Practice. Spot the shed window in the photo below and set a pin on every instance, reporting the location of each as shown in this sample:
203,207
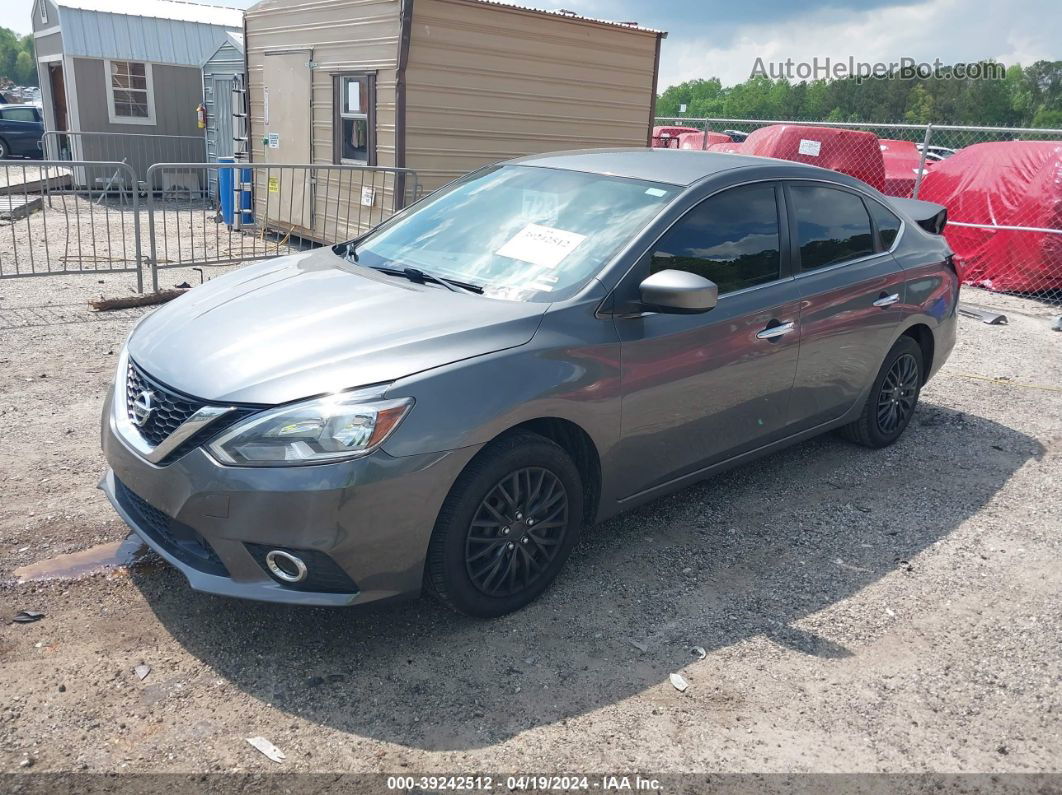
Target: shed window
355,119
130,93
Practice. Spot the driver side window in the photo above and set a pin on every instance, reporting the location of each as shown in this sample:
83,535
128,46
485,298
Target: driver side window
731,238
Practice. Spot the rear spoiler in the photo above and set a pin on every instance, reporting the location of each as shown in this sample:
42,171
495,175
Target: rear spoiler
931,217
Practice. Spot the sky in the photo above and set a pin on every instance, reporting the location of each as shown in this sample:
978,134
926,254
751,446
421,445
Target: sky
723,38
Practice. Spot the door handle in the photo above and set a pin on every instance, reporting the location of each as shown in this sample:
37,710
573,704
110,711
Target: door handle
774,332
887,300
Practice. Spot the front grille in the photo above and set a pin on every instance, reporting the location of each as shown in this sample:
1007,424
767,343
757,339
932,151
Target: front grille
323,574
170,410
177,538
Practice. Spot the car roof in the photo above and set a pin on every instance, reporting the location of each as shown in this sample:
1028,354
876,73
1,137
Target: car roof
672,166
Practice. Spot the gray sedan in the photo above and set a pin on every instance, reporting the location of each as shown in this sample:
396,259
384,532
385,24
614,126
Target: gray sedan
443,403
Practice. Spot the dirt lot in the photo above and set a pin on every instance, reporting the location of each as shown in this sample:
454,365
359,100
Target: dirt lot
860,611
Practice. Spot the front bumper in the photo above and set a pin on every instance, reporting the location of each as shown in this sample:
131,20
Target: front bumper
370,518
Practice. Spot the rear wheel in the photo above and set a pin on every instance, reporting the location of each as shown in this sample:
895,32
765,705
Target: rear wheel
5,151
506,528
892,398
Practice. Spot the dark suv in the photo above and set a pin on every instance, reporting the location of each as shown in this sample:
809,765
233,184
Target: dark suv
21,130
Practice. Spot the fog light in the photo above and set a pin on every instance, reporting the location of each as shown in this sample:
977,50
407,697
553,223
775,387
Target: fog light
285,566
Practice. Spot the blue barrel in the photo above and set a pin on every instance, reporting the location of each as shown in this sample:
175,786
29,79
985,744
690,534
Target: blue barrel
226,192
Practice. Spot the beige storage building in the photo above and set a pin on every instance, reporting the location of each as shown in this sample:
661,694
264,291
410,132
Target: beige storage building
438,86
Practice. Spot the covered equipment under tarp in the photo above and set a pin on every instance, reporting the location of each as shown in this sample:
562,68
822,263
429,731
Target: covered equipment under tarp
666,137
902,160
851,152
696,140
1003,184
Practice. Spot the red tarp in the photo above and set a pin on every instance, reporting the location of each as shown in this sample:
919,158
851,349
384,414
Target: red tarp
1009,183
695,140
851,152
665,137
901,166
731,147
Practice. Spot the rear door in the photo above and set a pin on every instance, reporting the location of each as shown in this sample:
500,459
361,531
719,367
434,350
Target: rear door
851,291
698,389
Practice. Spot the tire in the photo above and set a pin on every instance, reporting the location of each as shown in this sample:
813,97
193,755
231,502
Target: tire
485,562
5,150
892,399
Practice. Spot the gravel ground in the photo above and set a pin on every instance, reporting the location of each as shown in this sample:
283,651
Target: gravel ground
859,611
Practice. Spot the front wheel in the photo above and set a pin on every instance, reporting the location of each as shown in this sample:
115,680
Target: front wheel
506,528
892,398
5,152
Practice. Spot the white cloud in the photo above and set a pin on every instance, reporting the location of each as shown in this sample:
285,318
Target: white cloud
951,30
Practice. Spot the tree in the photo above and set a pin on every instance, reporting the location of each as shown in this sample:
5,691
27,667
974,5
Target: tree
1011,97
17,62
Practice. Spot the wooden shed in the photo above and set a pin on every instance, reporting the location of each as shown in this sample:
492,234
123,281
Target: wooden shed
440,86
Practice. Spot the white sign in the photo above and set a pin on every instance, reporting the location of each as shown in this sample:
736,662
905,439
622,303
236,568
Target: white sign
353,96
541,245
809,148
274,140
265,112
682,108
368,197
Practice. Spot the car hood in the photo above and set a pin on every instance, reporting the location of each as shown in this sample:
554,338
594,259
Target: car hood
310,324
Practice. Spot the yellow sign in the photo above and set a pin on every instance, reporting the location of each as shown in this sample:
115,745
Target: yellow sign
274,185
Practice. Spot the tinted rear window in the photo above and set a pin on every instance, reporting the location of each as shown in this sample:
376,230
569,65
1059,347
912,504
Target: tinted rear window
888,224
832,226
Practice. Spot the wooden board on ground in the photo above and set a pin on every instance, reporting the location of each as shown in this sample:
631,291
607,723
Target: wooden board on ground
16,207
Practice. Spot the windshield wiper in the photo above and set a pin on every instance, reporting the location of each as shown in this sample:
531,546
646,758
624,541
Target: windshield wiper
421,276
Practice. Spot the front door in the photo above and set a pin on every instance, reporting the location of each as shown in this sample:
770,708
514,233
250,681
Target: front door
286,81
852,295
58,89
698,389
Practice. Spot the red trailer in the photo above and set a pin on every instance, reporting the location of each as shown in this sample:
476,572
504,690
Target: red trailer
901,166
665,137
1012,191
695,140
851,152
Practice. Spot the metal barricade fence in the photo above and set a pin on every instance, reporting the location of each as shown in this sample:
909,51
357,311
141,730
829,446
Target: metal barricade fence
264,209
62,217
139,150
1007,234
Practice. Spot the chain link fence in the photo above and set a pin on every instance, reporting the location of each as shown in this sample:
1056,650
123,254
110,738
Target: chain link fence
1002,186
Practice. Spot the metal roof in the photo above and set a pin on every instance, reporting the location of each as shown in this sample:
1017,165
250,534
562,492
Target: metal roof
565,14
159,31
674,166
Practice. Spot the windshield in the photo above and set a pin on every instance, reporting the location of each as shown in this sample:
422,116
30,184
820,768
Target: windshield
521,233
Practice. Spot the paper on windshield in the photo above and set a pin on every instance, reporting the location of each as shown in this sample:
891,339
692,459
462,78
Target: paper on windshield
541,245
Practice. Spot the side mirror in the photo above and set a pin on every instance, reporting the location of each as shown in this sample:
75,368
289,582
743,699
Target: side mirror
678,292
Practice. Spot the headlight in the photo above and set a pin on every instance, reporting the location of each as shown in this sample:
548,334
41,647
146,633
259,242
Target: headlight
333,428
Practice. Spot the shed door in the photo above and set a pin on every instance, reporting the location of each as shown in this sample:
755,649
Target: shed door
223,117
219,123
287,78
